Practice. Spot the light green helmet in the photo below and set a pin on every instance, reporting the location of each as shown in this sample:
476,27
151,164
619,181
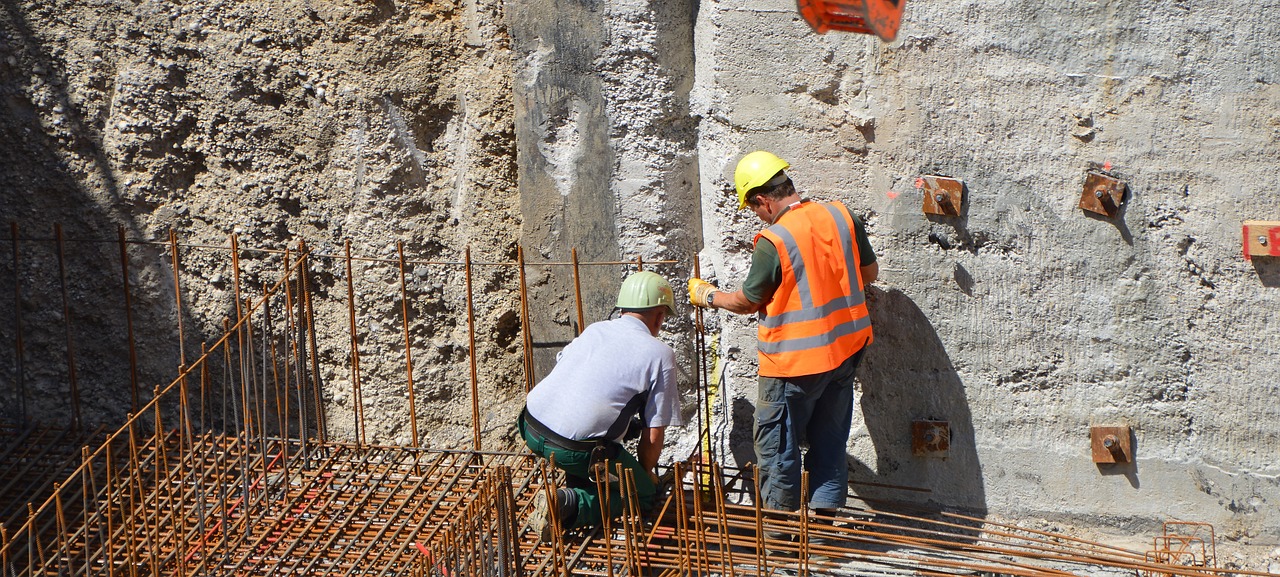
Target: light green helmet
645,290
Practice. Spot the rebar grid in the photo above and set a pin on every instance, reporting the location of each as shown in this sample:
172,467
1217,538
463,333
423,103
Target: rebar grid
192,472
715,528
230,469
33,459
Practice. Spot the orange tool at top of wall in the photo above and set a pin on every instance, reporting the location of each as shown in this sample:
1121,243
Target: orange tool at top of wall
879,17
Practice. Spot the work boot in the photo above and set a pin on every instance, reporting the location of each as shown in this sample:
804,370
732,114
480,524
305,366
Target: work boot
822,532
781,545
780,542
566,504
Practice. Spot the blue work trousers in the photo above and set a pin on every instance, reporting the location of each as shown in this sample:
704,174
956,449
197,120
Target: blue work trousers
792,411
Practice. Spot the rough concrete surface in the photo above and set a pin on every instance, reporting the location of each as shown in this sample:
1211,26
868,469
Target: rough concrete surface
612,127
282,121
1025,320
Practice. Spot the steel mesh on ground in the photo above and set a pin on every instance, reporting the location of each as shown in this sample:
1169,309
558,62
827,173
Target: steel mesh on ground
229,470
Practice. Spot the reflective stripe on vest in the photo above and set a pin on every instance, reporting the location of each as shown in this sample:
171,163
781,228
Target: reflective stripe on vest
796,336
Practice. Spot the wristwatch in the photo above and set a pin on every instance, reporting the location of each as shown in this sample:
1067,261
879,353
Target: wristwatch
711,298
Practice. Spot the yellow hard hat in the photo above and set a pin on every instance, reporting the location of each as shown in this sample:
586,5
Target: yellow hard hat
644,290
754,170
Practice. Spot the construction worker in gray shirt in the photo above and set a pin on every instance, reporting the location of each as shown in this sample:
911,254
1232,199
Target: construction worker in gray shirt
613,373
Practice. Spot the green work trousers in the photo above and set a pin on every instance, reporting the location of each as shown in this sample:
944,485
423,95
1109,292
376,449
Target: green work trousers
576,465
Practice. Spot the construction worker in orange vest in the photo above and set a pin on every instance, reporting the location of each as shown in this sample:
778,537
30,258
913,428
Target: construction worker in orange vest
808,272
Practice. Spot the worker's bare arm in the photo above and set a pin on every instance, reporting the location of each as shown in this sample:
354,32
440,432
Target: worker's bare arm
735,302
869,273
650,447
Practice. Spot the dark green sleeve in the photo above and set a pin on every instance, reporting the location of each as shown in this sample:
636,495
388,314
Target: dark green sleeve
866,255
765,274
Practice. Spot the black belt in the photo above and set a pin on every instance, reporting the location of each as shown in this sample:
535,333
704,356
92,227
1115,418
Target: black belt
556,439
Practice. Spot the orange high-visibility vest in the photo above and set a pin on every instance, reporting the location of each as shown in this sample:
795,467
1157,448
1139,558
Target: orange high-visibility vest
818,316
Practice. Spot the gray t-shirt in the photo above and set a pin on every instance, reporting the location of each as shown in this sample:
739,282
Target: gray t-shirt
601,371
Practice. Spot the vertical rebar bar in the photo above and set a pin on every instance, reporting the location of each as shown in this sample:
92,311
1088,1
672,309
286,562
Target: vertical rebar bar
109,484
223,509
762,560
177,295
246,415
60,522
159,486
205,384
4,550
86,481
631,513
511,543
471,357
66,324
34,547
682,524
606,517
699,523
202,521
261,405
305,297
722,530
804,524
133,480
272,358
557,551
703,394
577,292
524,323
408,345
356,401
128,318
184,451
294,330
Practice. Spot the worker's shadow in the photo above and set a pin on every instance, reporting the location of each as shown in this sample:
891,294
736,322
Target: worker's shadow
907,376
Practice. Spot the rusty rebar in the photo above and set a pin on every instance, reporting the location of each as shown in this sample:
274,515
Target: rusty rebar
66,324
577,292
357,402
304,259
293,328
408,345
369,508
525,335
128,318
177,295
471,354
246,415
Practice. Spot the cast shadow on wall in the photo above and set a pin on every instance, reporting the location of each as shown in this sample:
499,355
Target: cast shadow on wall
1267,269
84,351
41,190
908,376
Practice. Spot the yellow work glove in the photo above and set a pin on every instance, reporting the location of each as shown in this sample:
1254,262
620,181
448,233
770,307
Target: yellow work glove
699,290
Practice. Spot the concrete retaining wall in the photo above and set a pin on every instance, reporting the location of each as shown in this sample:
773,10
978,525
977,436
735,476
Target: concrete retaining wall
1026,319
